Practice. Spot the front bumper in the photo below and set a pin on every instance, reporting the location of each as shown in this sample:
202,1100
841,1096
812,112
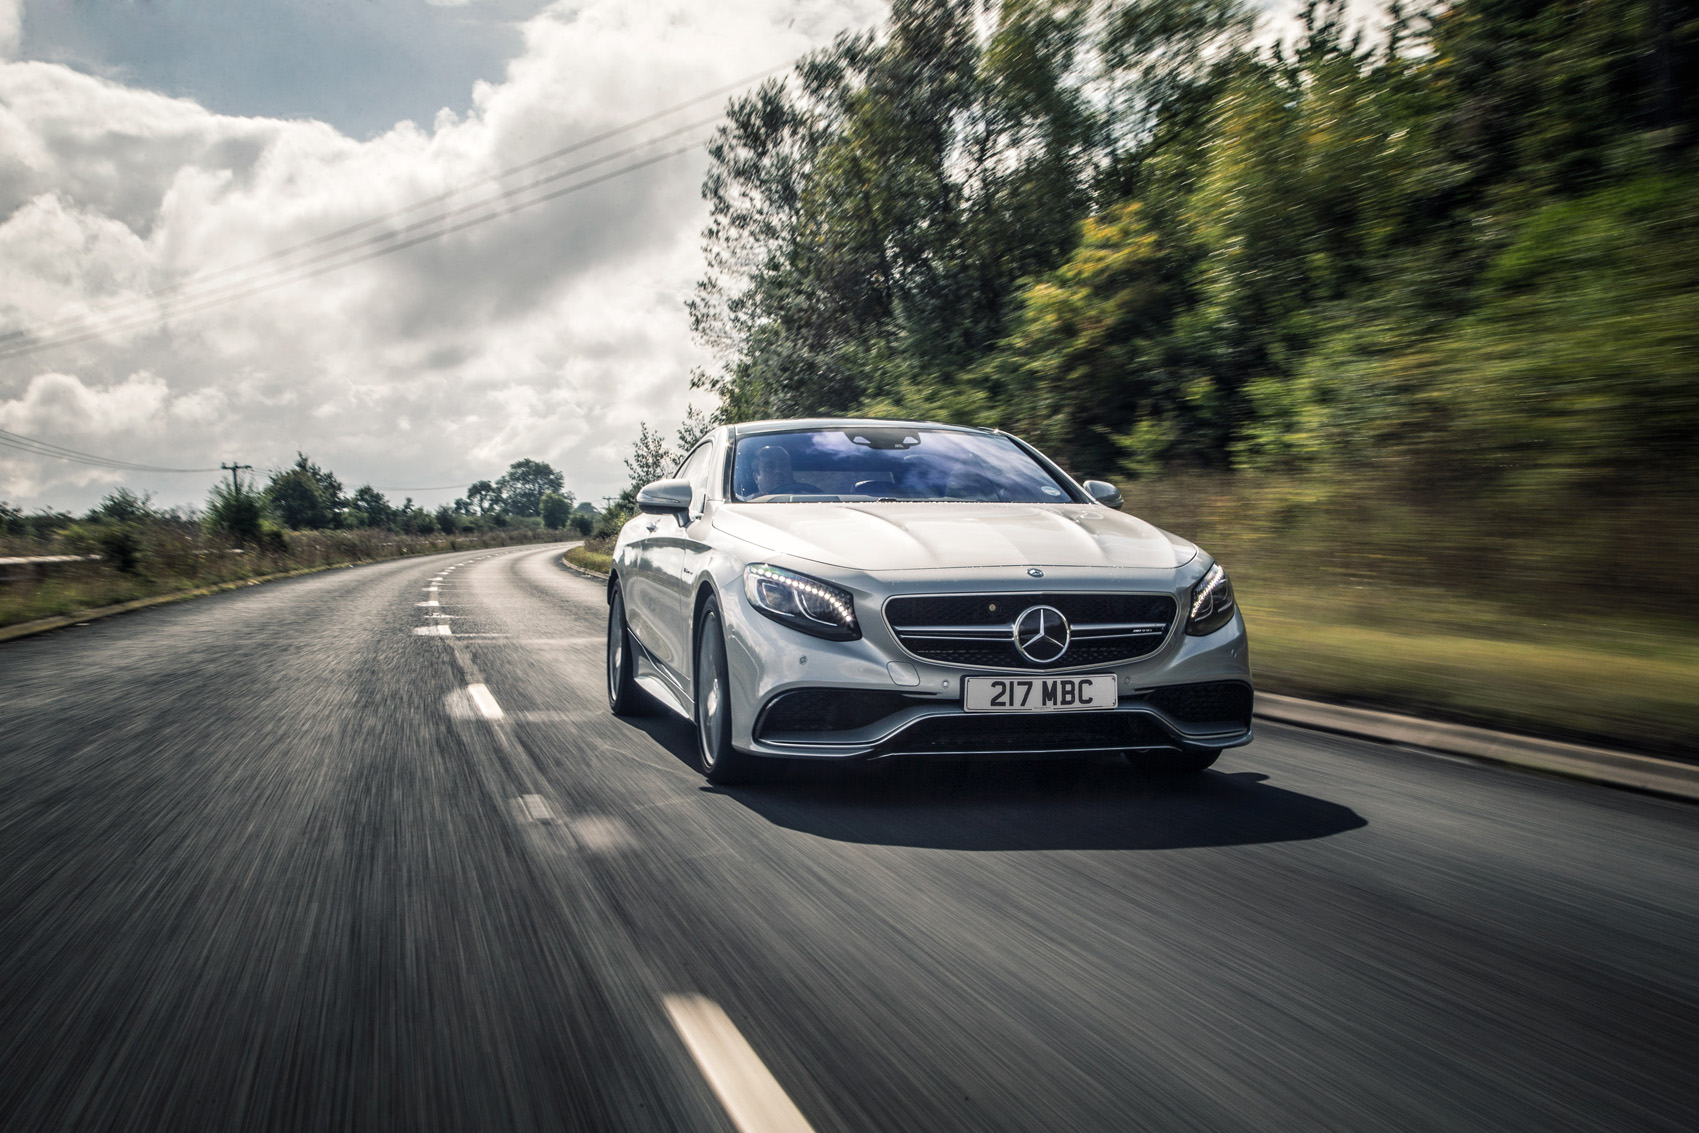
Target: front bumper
809,722
873,699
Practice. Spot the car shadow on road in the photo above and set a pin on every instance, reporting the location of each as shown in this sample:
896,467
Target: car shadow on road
1100,805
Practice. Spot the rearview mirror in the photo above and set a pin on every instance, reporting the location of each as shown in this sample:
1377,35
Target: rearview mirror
1104,493
664,497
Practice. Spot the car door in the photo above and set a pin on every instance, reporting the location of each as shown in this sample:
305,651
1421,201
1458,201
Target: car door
664,576
692,539
644,607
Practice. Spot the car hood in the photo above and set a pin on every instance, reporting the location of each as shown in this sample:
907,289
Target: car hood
881,537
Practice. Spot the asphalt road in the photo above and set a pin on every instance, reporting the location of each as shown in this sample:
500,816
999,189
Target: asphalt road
267,863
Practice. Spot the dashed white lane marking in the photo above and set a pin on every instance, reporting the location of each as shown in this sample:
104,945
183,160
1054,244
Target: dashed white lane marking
554,716
534,809
485,701
753,1099
601,834
439,630
428,602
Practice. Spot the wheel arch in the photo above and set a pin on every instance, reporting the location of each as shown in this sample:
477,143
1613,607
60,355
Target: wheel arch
705,592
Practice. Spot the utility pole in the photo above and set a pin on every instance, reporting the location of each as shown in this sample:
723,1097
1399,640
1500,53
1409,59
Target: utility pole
235,485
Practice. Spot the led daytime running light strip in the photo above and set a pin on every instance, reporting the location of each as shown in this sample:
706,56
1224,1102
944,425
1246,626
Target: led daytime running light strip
1205,598
772,574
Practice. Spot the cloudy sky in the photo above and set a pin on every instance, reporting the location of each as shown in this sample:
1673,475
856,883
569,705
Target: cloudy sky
150,149
170,171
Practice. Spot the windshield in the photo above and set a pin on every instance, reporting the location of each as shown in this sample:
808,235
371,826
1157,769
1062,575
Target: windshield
891,464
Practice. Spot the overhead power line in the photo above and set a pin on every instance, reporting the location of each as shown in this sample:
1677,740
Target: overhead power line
143,309
293,274
65,332
21,443
438,488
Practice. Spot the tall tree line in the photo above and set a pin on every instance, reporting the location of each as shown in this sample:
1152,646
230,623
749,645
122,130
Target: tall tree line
1458,250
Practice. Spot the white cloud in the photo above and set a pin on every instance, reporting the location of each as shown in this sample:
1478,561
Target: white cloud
11,27
548,333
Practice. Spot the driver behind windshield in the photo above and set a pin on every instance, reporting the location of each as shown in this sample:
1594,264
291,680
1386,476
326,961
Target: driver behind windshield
773,475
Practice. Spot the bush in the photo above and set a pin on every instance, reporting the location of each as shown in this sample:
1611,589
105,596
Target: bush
118,544
609,522
236,512
123,506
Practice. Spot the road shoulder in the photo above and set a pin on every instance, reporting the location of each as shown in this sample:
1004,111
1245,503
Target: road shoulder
1597,765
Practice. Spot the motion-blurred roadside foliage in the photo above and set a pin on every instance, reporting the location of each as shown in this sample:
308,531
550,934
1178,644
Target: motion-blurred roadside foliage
1412,308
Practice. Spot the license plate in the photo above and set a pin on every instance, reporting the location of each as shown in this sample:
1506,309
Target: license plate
1088,693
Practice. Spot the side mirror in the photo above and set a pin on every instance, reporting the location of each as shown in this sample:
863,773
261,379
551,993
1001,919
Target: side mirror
1103,492
665,497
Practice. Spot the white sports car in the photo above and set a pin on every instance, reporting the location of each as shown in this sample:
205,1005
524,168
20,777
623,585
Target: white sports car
846,589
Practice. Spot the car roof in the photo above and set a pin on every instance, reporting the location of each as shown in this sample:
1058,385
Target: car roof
802,424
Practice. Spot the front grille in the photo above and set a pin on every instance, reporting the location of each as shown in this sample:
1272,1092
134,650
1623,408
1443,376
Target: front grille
977,629
1224,703
829,709
1031,734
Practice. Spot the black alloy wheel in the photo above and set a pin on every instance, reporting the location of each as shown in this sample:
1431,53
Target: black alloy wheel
720,761
624,697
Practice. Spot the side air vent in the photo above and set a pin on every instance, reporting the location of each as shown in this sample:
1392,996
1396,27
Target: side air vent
1225,704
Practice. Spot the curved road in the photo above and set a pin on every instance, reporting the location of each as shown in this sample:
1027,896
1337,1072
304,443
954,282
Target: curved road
272,861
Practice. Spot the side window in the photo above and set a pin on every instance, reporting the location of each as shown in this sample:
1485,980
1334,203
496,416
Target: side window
696,468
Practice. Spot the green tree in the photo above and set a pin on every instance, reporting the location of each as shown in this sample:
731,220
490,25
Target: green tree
650,459
305,496
869,224
373,505
483,496
556,510
1084,365
522,487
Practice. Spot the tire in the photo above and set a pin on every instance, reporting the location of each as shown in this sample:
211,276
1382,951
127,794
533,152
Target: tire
720,762
624,697
1173,762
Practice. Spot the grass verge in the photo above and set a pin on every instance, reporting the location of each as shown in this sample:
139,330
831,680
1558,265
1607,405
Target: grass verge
1615,683
595,556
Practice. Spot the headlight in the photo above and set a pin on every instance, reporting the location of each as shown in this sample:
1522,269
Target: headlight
1212,603
801,602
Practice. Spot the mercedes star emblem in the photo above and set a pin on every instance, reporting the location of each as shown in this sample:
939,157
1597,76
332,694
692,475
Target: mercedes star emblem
1041,634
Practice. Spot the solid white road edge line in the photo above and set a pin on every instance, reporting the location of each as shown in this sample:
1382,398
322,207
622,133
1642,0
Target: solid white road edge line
753,1099
486,702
